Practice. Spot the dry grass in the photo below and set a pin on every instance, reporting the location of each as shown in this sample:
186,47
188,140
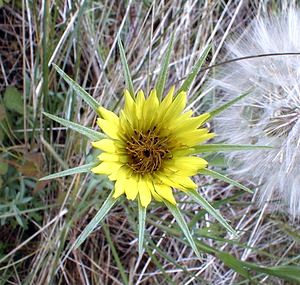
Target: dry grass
80,37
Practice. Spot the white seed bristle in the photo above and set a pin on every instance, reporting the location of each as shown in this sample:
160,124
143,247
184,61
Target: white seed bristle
270,115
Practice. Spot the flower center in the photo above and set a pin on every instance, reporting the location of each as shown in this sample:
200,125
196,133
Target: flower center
147,151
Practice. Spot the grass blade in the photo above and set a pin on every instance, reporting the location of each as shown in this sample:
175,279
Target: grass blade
233,263
195,70
227,147
78,89
128,79
142,221
107,205
210,209
93,135
225,106
71,171
220,176
163,73
114,252
184,227
285,272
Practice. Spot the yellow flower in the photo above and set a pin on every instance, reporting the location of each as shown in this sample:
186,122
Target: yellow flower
149,145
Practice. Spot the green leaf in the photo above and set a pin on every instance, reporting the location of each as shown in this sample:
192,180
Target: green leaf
107,205
220,176
182,224
163,73
227,147
13,100
71,171
286,272
195,70
126,70
2,113
210,209
225,106
3,168
79,90
93,135
142,220
233,263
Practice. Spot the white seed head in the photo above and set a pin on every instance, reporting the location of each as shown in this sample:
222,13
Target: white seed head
270,115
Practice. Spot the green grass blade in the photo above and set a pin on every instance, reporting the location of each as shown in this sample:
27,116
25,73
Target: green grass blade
93,135
227,147
107,205
71,171
195,70
225,106
128,79
210,209
184,227
220,176
114,252
160,267
233,263
285,272
163,73
78,89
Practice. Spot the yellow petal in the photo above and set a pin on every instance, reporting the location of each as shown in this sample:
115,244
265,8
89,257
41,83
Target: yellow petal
166,102
175,108
119,189
126,125
129,102
122,173
144,193
131,187
140,100
150,110
187,124
164,179
204,117
165,192
105,145
184,181
106,167
176,181
113,157
129,107
185,166
190,162
109,128
191,138
153,192
109,116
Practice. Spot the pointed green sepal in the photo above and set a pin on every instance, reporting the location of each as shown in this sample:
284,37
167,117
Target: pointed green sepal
183,225
221,177
195,70
142,221
107,205
128,79
79,90
210,209
93,135
225,106
227,147
79,169
163,73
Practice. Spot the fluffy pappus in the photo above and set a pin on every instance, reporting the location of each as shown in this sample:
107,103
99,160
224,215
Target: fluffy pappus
270,115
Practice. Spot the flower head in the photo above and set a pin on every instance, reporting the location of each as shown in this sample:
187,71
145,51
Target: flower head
148,149
271,114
